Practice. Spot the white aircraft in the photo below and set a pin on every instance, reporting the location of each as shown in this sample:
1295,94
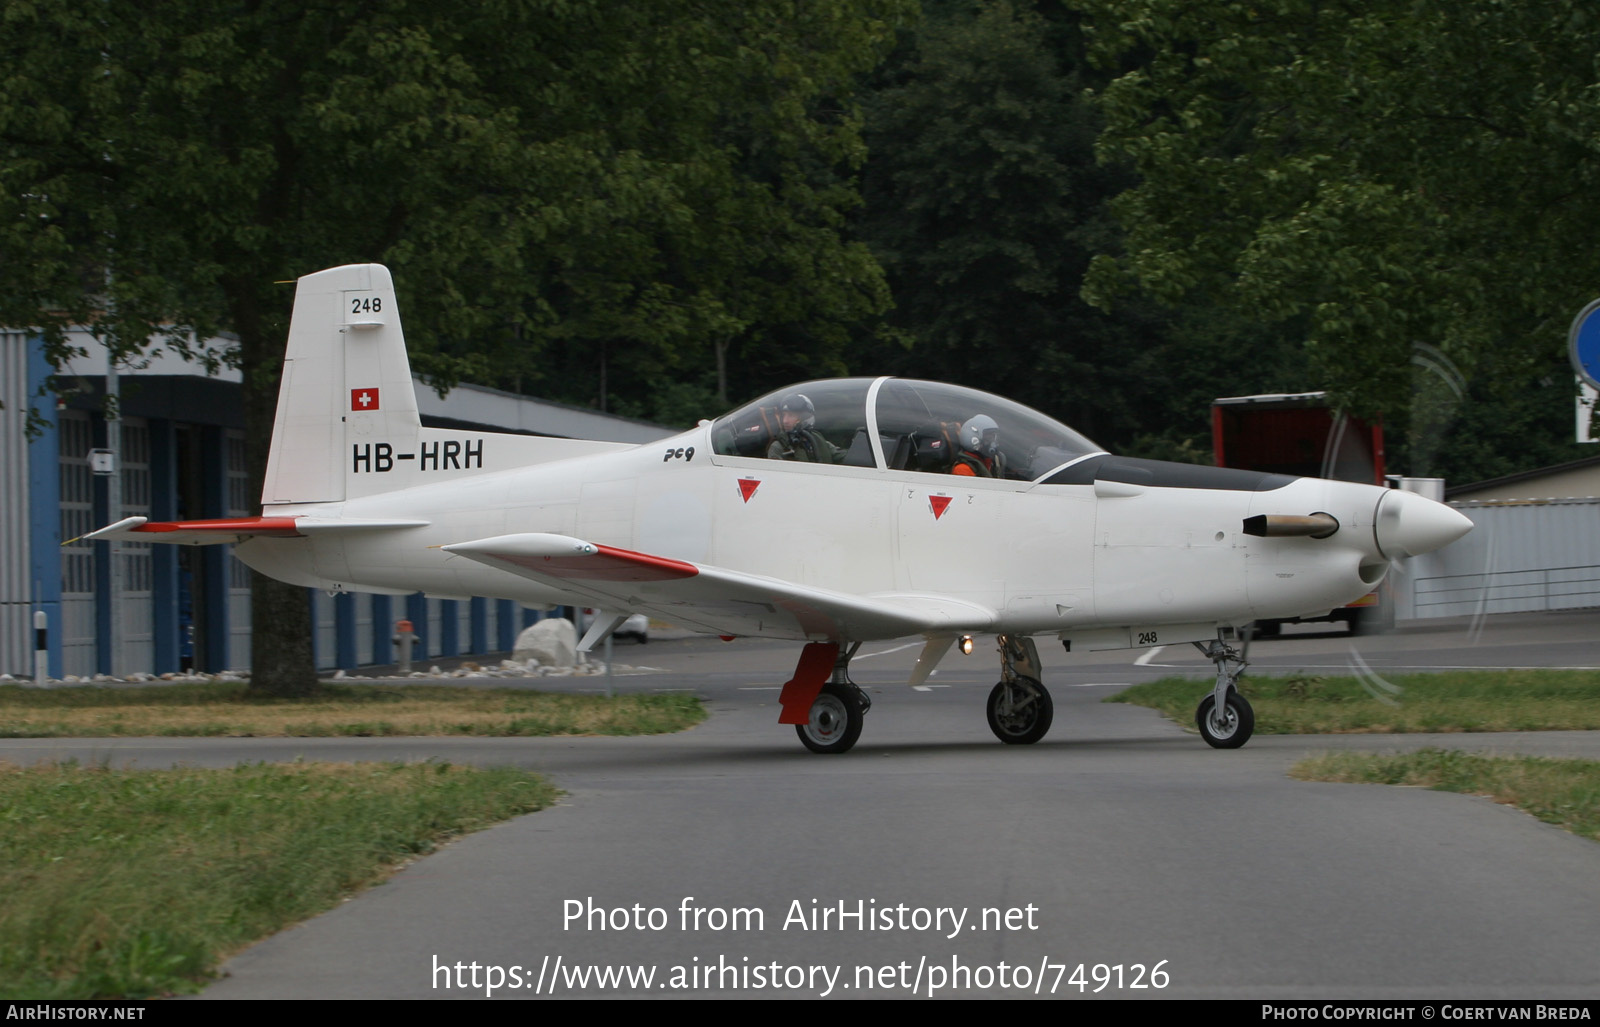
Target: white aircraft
833,513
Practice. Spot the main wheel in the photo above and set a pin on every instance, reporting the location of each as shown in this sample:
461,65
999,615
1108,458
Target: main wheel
835,722
1233,728
1020,712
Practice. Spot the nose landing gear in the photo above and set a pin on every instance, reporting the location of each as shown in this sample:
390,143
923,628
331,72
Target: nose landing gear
1224,717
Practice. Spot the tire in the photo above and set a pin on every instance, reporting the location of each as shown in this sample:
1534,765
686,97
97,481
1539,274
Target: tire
1020,713
835,723
1371,620
1241,722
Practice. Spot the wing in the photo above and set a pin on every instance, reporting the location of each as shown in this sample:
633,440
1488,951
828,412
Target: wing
717,599
230,529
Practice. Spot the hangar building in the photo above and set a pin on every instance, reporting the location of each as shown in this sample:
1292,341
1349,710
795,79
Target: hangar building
183,456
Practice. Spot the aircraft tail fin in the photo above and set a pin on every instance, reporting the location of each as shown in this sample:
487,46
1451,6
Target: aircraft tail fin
346,392
348,424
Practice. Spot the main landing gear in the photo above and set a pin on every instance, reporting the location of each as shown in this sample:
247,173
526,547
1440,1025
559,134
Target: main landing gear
827,714
1224,717
836,714
1019,707
827,709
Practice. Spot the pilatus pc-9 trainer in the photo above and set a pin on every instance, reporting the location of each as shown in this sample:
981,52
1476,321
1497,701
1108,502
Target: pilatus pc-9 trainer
832,513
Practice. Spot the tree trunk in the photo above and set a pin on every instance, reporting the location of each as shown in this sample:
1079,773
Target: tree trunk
280,638
280,614
722,370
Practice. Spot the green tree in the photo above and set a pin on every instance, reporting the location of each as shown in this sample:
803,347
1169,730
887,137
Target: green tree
538,173
1411,183
986,203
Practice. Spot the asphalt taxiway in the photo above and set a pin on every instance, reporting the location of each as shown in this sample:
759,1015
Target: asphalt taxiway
1119,844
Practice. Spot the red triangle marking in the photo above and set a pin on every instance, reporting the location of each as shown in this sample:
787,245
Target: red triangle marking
748,486
937,504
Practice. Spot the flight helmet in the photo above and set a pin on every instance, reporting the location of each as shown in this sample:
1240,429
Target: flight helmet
980,435
799,403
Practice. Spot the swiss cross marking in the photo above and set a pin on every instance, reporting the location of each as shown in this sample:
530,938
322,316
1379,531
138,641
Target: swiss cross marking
937,504
363,399
748,486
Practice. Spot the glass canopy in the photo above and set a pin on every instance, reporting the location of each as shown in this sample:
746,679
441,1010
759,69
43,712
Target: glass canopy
916,424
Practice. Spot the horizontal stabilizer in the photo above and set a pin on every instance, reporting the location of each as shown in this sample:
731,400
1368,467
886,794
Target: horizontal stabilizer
231,529
715,598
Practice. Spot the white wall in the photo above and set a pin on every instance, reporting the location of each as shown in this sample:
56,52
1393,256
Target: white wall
1524,555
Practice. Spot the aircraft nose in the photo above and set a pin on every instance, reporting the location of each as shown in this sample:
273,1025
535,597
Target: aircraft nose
1409,524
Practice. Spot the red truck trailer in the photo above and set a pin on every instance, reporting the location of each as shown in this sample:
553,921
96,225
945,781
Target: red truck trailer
1299,433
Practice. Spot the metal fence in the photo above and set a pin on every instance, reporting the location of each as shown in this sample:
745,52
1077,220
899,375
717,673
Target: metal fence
1521,556
1545,588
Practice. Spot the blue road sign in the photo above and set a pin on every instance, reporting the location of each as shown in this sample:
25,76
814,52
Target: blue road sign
1583,344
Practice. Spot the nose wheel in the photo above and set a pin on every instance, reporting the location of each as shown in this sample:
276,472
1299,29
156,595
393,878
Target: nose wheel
1224,717
1230,728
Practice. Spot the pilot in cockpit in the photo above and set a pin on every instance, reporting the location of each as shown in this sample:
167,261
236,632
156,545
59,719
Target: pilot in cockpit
798,437
979,456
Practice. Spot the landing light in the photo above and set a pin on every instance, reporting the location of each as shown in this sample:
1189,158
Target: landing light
966,645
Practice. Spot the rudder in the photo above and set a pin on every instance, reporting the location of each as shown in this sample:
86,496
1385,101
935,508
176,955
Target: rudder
346,392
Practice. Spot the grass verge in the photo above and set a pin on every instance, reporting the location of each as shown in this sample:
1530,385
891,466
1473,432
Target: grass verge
338,710
1561,792
1528,700
138,883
